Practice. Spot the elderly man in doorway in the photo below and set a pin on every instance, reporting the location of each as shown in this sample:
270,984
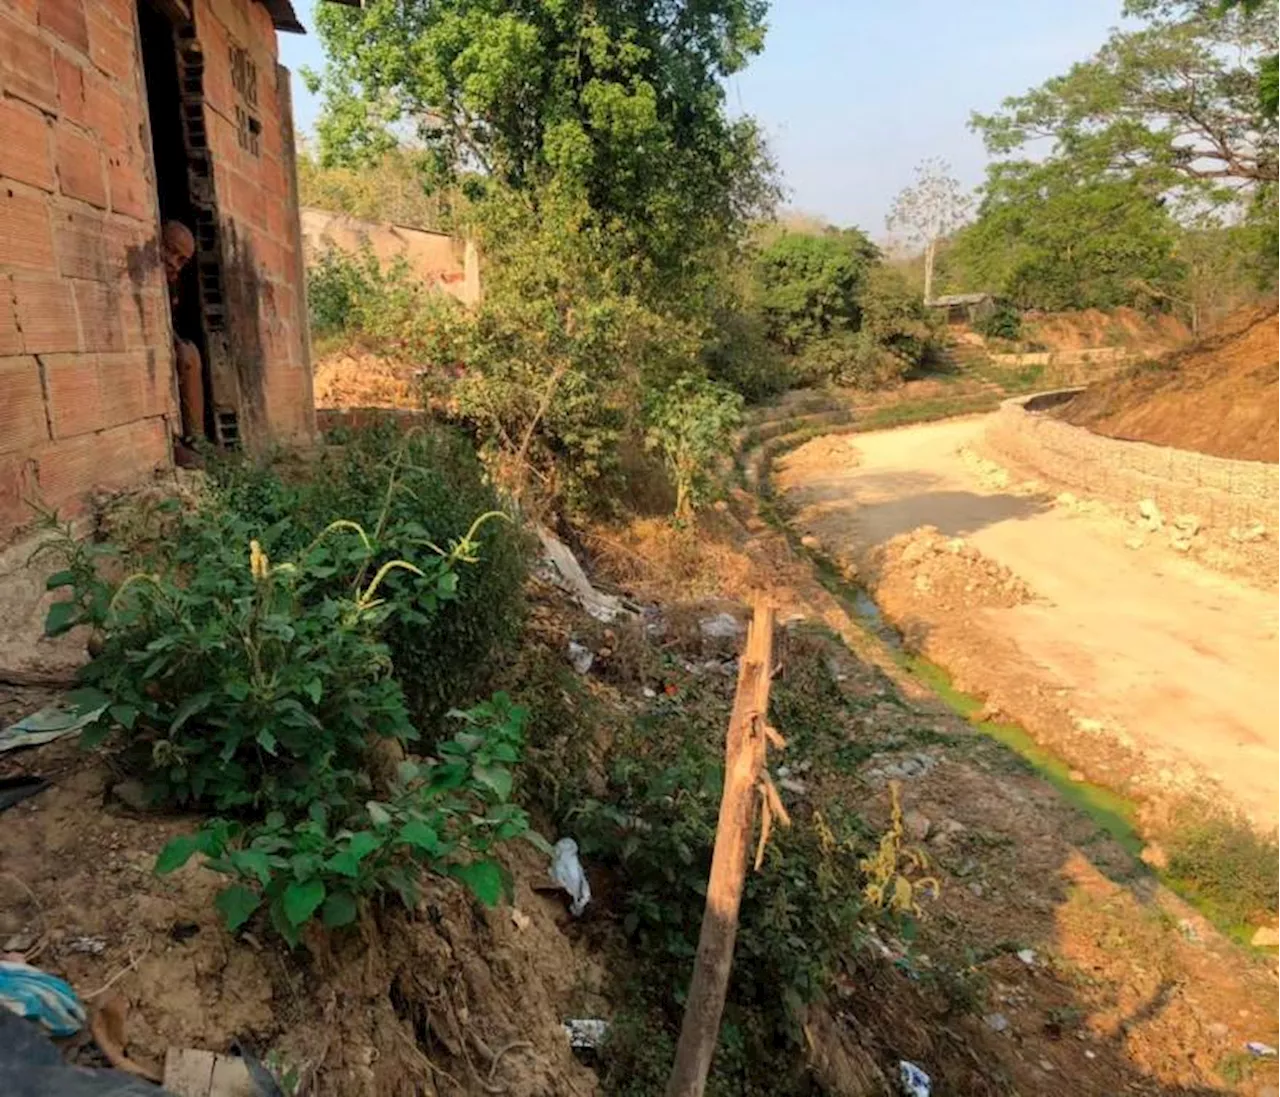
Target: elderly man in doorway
177,246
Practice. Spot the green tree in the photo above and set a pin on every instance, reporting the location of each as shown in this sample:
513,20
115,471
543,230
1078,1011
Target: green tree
619,102
810,285
691,424
1048,236
1172,105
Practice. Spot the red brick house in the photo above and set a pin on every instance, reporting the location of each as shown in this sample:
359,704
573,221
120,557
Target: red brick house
116,115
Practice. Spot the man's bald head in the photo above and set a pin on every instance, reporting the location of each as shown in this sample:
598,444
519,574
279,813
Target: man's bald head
177,246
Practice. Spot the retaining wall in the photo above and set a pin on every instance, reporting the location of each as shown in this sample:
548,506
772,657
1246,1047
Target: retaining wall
1223,494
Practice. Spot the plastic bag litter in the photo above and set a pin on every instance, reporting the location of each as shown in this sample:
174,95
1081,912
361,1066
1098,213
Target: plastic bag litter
1259,1049
915,1082
40,997
63,717
586,1032
566,870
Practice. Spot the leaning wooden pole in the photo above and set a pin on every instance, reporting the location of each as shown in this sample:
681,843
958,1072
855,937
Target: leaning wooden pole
743,774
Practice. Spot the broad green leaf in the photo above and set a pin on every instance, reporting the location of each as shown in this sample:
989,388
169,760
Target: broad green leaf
417,834
125,715
253,862
61,617
176,853
236,904
194,704
495,779
340,909
345,863
237,689
300,900
60,579
363,842
313,690
267,741
482,878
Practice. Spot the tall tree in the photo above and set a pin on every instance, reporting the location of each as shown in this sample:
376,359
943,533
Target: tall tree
620,101
931,209
1174,105
1051,236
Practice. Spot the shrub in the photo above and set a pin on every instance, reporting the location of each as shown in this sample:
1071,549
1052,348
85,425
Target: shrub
353,294
410,492
691,424
1002,322
1226,863
855,359
741,357
240,684
445,815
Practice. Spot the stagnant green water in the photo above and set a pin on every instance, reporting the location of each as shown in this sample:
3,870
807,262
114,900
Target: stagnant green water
1111,811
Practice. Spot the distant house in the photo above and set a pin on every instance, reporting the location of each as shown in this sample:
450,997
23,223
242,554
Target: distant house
116,115
964,308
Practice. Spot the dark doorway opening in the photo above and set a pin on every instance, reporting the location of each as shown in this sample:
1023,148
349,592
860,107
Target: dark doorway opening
159,38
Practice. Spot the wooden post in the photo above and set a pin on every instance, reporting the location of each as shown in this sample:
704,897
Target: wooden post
744,765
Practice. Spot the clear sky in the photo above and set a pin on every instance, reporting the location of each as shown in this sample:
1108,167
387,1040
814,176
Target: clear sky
854,93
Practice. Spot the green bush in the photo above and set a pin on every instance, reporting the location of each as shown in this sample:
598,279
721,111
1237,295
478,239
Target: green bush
444,815
410,492
1002,322
1225,862
385,307
691,424
855,359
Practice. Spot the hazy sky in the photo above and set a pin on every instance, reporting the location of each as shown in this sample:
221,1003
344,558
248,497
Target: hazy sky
854,93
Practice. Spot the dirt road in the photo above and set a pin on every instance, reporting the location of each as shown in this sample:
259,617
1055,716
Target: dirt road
1142,651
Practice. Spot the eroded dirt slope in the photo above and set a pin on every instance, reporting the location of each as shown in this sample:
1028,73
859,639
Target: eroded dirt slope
1219,396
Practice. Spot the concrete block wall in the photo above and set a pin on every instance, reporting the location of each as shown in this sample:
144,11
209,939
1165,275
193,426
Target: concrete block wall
1223,494
85,376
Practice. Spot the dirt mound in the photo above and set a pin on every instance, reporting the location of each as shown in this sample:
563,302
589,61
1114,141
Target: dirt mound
950,571
1218,396
356,379
1121,327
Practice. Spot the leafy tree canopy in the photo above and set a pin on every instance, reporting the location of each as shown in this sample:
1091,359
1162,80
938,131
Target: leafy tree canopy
1173,105
1047,237
618,100
810,285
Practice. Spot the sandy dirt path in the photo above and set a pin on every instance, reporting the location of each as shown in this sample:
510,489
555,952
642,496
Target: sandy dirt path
1178,662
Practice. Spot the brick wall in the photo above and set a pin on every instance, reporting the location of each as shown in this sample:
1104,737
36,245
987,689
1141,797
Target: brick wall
85,377
87,399
263,364
1223,494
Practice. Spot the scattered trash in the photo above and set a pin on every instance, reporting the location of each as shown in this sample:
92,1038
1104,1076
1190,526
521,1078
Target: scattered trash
41,997
566,870
93,946
1260,1050
649,692
996,1022
580,658
723,626
192,1072
915,1082
13,790
586,1033
63,717
30,1064
520,919
1090,1054
568,575
1265,937
1027,956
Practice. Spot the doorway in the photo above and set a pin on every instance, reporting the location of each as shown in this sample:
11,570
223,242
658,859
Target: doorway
161,24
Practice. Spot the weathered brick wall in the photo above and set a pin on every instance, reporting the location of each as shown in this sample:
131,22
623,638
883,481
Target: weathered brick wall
1223,494
248,124
87,398
85,374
